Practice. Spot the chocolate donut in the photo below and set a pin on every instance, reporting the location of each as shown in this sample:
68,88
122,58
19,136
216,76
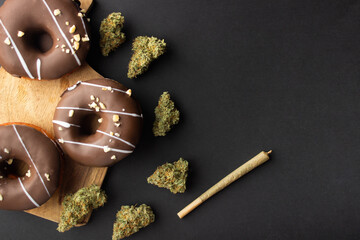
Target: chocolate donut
23,145
97,122
42,39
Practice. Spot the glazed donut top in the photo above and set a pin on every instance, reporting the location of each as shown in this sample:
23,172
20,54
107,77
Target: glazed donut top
98,122
21,143
42,39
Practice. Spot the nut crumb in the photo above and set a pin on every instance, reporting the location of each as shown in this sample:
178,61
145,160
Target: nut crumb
72,29
111,133
71,113
117,134
102,105
77,37
76,45
67,51
60,128
10,161
63,50
107,149
63,46
80,14
61,140
92,97
6,150
113,157
117,124
88,19
28,173
97,109
57,12
1,177
123,109
47,176
20,33
100,120
1,197
85,39
128,92
116,118
97,99
58,39
7,41
67,23
57,46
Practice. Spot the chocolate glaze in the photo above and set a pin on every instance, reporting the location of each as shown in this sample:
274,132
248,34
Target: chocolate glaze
45,159
83,138
42,35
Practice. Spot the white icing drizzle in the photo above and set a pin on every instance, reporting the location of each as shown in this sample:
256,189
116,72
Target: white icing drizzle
64,124
22,61
104,111
102,86
62,33
27,152
97,146
83,23
38,67
73,86
117,138
68,125
27,194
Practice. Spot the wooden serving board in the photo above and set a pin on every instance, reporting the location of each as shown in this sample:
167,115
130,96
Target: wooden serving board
33,101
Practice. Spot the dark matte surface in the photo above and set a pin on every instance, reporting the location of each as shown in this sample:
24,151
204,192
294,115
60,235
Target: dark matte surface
247,75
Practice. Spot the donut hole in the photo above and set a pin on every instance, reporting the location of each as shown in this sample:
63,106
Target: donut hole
89,124
39,40
13,168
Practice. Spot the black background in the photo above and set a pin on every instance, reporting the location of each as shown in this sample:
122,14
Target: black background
247,76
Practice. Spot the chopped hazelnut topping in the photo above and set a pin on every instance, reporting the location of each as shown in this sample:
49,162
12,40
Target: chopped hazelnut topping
57,12
60,128
112,133
61,140
85,39
113,157
116,118
97,109
72,29
67,23
63,46
123,109
92,97
20,33
110,140
97,99
71,113
128,92
106,149
77,37
76,45
28,173
57,46
63,50
72,40
93,105
67,51
47,176
1,197
100,120
117,134
102,105
10,161
117,124
6,150
58,39
80,14
7,41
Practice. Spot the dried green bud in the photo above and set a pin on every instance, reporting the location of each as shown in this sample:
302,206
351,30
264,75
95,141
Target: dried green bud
130,219
146,50
171,176
166,115
111,36
78,205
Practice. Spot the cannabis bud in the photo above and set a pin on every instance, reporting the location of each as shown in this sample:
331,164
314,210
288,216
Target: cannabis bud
166,115
111,36
130,219
146,50
171,176
77,206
